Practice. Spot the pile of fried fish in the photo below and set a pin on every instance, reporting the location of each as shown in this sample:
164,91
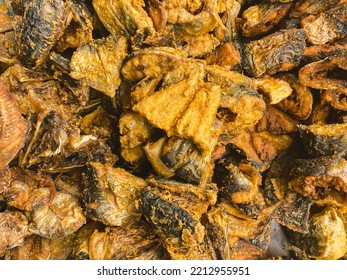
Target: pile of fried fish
173,129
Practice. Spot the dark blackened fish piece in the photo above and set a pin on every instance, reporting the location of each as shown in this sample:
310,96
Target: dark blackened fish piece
13,230
299,103
324,139
327,26
319,74
13,127
110,194
280,51
293,212
133,242
123,17
260,19
42,25
319,177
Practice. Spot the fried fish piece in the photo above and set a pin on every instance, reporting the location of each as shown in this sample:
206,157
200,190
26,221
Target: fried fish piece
13,127
319,74
337,98
300,102
132,242
26,189
326,239
98,63
62,217
110,194
276,121
42,25
78,26
175,209
14,227
123,17
324,139
274,89
304,8
319,177
327,26
277,52
293,212
234,235
261,18
36,247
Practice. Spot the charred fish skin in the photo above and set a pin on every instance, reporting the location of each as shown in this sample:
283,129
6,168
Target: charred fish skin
42,25
13,127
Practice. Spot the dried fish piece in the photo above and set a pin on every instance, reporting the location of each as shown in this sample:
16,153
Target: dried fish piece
62,217
319,74
326,239
234,235
304,8
261,18
274,89
13,127
324,139
337,98
13,230
134,130
276,122
326,27
241,107
175,210
25,189
110,194
293,212
123,17
319,177
134,242
42,25
321,51
152,63
98,63
80,249
277,52
78,26
300,102
36,247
